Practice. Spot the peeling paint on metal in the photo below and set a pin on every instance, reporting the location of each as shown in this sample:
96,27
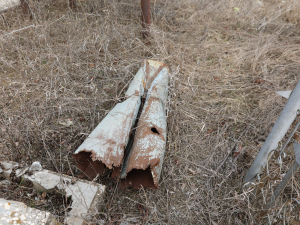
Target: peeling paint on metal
136,88
145,77
150,139
104,148
108,141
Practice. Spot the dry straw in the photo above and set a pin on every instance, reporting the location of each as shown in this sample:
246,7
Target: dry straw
63,71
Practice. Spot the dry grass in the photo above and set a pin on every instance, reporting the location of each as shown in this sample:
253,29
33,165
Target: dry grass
226,65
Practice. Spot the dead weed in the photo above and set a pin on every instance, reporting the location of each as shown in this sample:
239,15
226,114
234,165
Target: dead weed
63,71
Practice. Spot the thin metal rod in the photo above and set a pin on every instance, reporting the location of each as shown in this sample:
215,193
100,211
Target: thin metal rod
290,137
283,183
146,16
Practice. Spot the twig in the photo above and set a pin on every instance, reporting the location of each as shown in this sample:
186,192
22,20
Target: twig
233,147
14,31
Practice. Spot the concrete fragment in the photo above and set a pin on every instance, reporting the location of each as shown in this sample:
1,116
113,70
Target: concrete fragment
22,171
12,212
7,168
85,195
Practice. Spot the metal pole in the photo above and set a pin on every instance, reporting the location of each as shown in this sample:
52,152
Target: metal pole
287,176
283,183
146,15
282,125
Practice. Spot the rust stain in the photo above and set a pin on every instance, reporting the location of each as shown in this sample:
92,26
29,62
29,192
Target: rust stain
150,79
116,172
89,167
147,69
149,143
138,179
133,153
111,153
156,64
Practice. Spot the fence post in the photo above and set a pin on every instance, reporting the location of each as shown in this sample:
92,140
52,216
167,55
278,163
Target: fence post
146,15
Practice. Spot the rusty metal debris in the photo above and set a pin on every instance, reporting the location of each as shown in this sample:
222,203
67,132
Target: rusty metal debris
130,141
146,16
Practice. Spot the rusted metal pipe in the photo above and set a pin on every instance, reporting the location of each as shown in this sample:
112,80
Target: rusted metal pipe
143,166
130,141
146,15
104,147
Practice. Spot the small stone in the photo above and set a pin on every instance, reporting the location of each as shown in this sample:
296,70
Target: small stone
21,172
36,166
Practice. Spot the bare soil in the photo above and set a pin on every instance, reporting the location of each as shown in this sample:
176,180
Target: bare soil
64,70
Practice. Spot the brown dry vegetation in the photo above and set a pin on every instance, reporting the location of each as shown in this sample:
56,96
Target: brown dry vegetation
226,65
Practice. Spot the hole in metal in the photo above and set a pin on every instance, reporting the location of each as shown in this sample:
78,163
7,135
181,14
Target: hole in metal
153,129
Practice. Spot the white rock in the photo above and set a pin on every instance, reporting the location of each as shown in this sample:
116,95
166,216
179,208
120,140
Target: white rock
36,166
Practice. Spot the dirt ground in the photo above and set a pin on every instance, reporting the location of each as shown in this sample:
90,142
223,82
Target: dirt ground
64,70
